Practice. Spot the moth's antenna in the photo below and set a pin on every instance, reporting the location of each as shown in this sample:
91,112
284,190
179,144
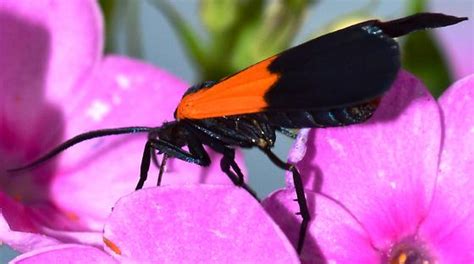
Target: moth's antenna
79,138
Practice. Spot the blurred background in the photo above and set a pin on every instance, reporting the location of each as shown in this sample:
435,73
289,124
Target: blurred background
209,39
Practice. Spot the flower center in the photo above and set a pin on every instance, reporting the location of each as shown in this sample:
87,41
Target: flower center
409,251
409,257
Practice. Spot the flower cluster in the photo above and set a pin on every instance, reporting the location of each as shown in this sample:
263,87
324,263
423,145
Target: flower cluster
54,85
395,187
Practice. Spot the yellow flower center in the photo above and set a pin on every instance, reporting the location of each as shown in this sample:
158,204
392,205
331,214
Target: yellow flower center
409,257
409,251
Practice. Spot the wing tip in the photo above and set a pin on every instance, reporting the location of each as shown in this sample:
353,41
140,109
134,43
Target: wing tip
399,27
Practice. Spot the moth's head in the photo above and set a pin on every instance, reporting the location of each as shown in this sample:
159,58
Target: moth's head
170,132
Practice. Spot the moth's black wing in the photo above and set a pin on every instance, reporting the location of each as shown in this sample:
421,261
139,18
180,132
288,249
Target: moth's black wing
322,80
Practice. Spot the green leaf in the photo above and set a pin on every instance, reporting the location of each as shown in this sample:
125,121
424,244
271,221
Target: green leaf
219,15
108,10
275,32
416,6
240,32
134,46
423,57
225,46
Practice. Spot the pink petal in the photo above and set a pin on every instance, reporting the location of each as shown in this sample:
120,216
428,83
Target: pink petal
16,214
297,153
66,37
45,49
66,253
383,170
198,224
20,226
334,236
449,224
121,92
23,241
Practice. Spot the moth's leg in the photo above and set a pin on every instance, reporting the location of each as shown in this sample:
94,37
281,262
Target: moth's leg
300,196
154,159
236,176
196,155
162,169
217,142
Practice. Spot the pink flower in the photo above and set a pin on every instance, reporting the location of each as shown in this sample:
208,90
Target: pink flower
54,84
397,189
185,224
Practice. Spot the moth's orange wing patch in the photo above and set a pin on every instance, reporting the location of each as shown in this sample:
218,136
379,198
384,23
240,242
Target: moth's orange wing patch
242,93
